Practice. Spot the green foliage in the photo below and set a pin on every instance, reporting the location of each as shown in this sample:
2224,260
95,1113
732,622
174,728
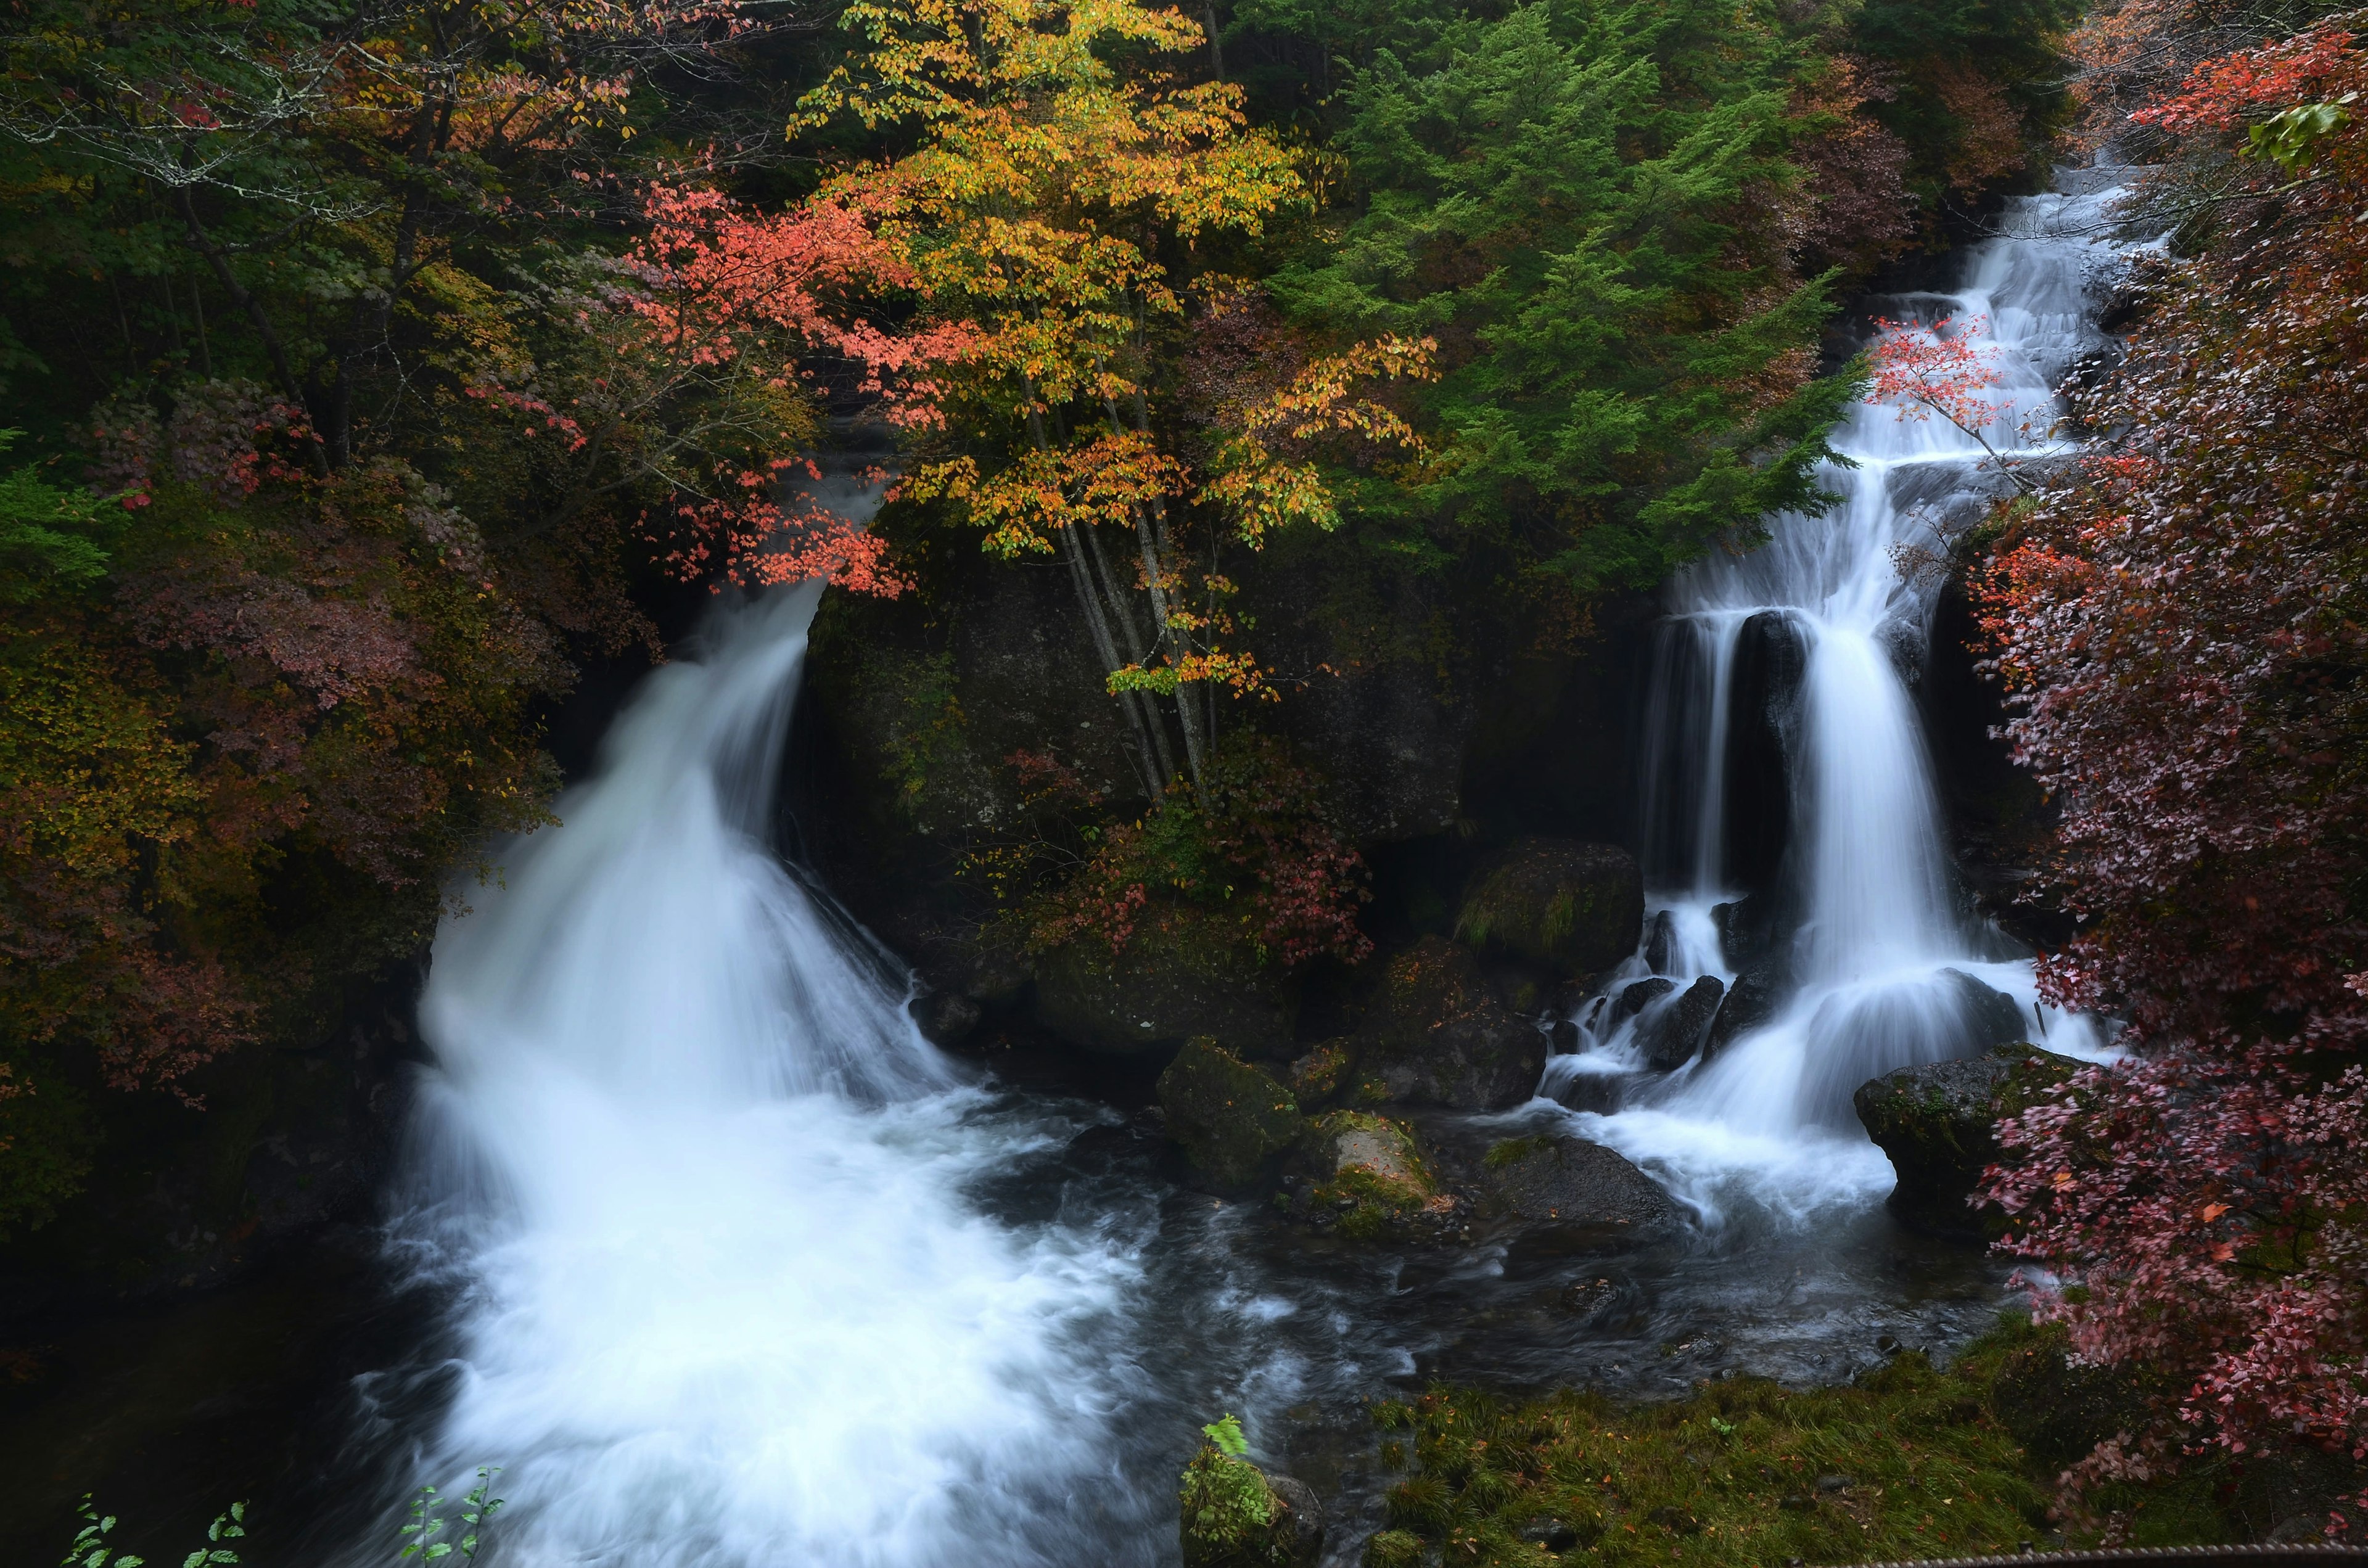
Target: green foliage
51,538
428,1531
1564,195
1229,1516
90,1549
1225,1432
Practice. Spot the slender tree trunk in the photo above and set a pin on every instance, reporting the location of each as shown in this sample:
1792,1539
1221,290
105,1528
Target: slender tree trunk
1150,742
256,316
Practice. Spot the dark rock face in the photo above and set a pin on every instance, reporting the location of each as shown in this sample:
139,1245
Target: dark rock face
1234,1121
1670,1037
1771,659
1438,1035
1634,999
1660,940
1747,929
1180,975
1575,908
1748,1004
945,1017
1935,1123
1991,1017
1569,1181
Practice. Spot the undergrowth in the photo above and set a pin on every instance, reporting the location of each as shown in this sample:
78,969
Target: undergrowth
1911,1462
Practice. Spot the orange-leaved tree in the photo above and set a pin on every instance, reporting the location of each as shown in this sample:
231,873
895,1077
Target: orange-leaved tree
1065,178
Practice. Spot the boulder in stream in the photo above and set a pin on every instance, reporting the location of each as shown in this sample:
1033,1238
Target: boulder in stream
1750,1002
1936,1123
1181,974
1233,1121
1575,908
1438,1034
1546,1179
1668,1039
1370,1176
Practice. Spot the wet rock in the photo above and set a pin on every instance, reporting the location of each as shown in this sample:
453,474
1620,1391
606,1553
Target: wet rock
1575,908
1991,1017
1370,1176
1569,1181
1583,1298
1563,1036
1320,1073
1771,659
1181,974
1668,1039
1935,1123
1236,1516
1233,1121
1660,941
1634,999
1747,930
945,1017
1750,1002
1438,1034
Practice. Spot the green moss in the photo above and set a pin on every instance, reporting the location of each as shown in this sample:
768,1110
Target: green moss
1513,1151
1377,1169
1911,1462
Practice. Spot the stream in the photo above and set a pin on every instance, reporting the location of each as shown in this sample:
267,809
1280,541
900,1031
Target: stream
725,1266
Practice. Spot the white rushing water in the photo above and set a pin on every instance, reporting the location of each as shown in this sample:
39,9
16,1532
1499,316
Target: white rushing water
1785,761
703,1191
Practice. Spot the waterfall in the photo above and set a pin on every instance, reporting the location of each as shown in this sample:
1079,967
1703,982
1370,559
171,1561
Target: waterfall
1791,838
702,1197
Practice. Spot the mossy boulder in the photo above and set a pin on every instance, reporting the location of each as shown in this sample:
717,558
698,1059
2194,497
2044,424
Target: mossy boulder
1234,1514
1371,1176
1575,908
1233,1121
1182,973
1438,1034
1561,1180
1937,1123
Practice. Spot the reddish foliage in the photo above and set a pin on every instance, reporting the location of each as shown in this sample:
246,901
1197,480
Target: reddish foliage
1263,823
2222,94
2183,623
714,335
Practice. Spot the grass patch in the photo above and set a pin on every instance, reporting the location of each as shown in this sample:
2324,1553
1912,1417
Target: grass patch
1912,1461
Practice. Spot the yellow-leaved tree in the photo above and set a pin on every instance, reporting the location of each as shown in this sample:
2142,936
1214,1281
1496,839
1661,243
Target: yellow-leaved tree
1065,178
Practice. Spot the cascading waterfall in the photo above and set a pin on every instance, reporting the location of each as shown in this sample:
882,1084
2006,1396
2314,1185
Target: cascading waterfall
701,1190
1793,837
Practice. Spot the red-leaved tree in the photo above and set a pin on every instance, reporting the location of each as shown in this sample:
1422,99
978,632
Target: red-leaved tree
701,355
2183,622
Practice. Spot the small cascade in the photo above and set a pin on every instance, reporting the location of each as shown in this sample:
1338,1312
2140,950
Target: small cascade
1805,929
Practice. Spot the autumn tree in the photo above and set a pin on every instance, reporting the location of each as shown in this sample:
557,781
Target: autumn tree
2179,621
1068,169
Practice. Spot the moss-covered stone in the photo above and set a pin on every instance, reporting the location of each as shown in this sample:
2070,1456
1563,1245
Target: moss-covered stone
1183,973
1560,1180
1321,1072
1936,1123
1234,1514
1233,1121
1575,908
1371,1176
1438,1035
